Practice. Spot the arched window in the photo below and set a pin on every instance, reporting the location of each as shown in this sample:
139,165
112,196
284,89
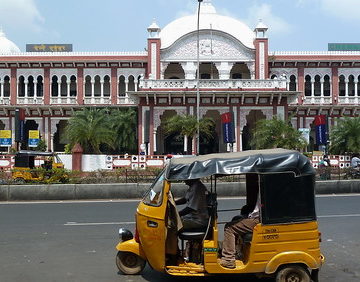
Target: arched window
208,71
274,76
292,84
351,86
240,71
317,86
131,85
107,86
342,85
308,85
21,87
6,86
88,89
54,86
122,86
30,86
39,86
73,90
97,86
63,88
174,71
327,85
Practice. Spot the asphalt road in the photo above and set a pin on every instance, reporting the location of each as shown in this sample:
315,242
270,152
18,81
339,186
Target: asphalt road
75,241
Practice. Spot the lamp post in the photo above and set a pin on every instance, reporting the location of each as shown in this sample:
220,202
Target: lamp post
197,81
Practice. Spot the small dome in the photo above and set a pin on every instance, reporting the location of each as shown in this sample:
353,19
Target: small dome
7,46
208,16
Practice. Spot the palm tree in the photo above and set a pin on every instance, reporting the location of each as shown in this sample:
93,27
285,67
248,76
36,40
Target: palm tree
345,136
124,123
187,125
276,133
90,128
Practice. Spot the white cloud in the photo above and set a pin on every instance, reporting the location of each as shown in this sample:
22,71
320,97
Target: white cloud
348,10
344,9
265,13
21,14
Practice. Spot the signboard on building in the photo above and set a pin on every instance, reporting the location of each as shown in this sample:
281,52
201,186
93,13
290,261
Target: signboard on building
34,137
5,138
227,121
320,123
343,46
49,48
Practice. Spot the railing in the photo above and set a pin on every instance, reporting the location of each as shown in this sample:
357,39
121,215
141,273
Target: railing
97,100
4,100
30,100
123,100
243,84
63,100
318,100
349,100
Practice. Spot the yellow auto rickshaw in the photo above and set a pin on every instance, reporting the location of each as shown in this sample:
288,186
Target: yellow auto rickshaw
285,244
25,163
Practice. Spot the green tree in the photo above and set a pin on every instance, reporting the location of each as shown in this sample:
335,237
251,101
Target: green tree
124,124
345,136
91,128
186,125
276,133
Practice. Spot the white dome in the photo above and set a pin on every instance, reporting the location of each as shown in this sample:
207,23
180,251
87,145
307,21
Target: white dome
7,46
208,16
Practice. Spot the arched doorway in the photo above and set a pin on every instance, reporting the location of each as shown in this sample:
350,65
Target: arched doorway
29,125
168,144
251,119
60,139
214,144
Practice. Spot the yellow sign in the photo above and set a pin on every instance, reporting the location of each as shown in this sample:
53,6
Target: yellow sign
34,134
5,134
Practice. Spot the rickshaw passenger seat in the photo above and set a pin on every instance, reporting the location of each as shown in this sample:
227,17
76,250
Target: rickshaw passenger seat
192,235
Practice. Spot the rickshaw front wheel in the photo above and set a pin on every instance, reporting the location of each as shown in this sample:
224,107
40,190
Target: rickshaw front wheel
293,273
129,263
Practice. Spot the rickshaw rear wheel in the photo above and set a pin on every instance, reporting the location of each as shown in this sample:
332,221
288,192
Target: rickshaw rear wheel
129,263
293,273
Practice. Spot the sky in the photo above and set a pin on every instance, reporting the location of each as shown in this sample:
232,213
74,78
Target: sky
120,25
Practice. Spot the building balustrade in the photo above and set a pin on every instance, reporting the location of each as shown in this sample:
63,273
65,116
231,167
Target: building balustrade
30,100
97,100
125,100
4,100
63,100
243,84
349,100
318,100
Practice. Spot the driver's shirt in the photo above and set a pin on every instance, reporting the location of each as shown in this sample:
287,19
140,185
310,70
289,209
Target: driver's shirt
196,199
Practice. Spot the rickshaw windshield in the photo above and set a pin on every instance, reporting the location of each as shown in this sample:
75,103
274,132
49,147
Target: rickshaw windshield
154,196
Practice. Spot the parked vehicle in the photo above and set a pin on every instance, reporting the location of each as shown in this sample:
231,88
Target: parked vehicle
285,244
24,168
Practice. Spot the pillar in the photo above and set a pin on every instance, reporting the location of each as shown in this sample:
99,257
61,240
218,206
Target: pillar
80,86
77,152
13,87
335,85
114,86
47,86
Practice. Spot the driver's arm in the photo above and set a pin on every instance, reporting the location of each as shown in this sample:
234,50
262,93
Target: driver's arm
185,211
180,201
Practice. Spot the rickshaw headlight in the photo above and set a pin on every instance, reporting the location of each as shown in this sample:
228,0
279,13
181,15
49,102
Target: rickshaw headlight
125,235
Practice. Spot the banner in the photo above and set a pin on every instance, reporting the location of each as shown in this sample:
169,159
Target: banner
5,138
228,127
320,125
34,137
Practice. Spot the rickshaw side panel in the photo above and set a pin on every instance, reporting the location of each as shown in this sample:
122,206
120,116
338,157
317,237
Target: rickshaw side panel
150,221
131,246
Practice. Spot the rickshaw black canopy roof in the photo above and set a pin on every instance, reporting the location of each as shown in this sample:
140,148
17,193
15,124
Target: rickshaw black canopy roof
253,161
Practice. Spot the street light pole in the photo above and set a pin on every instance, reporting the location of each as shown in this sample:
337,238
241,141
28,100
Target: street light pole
197,82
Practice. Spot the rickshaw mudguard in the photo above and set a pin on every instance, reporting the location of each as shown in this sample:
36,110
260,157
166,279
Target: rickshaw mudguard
131,246
292,257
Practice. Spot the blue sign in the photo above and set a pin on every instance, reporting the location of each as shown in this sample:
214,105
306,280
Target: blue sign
228,132
5,142
321,134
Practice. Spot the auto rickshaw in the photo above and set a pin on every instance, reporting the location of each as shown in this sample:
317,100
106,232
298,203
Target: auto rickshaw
25,163
285,244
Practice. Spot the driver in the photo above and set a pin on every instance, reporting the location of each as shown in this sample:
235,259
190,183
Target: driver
195,214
